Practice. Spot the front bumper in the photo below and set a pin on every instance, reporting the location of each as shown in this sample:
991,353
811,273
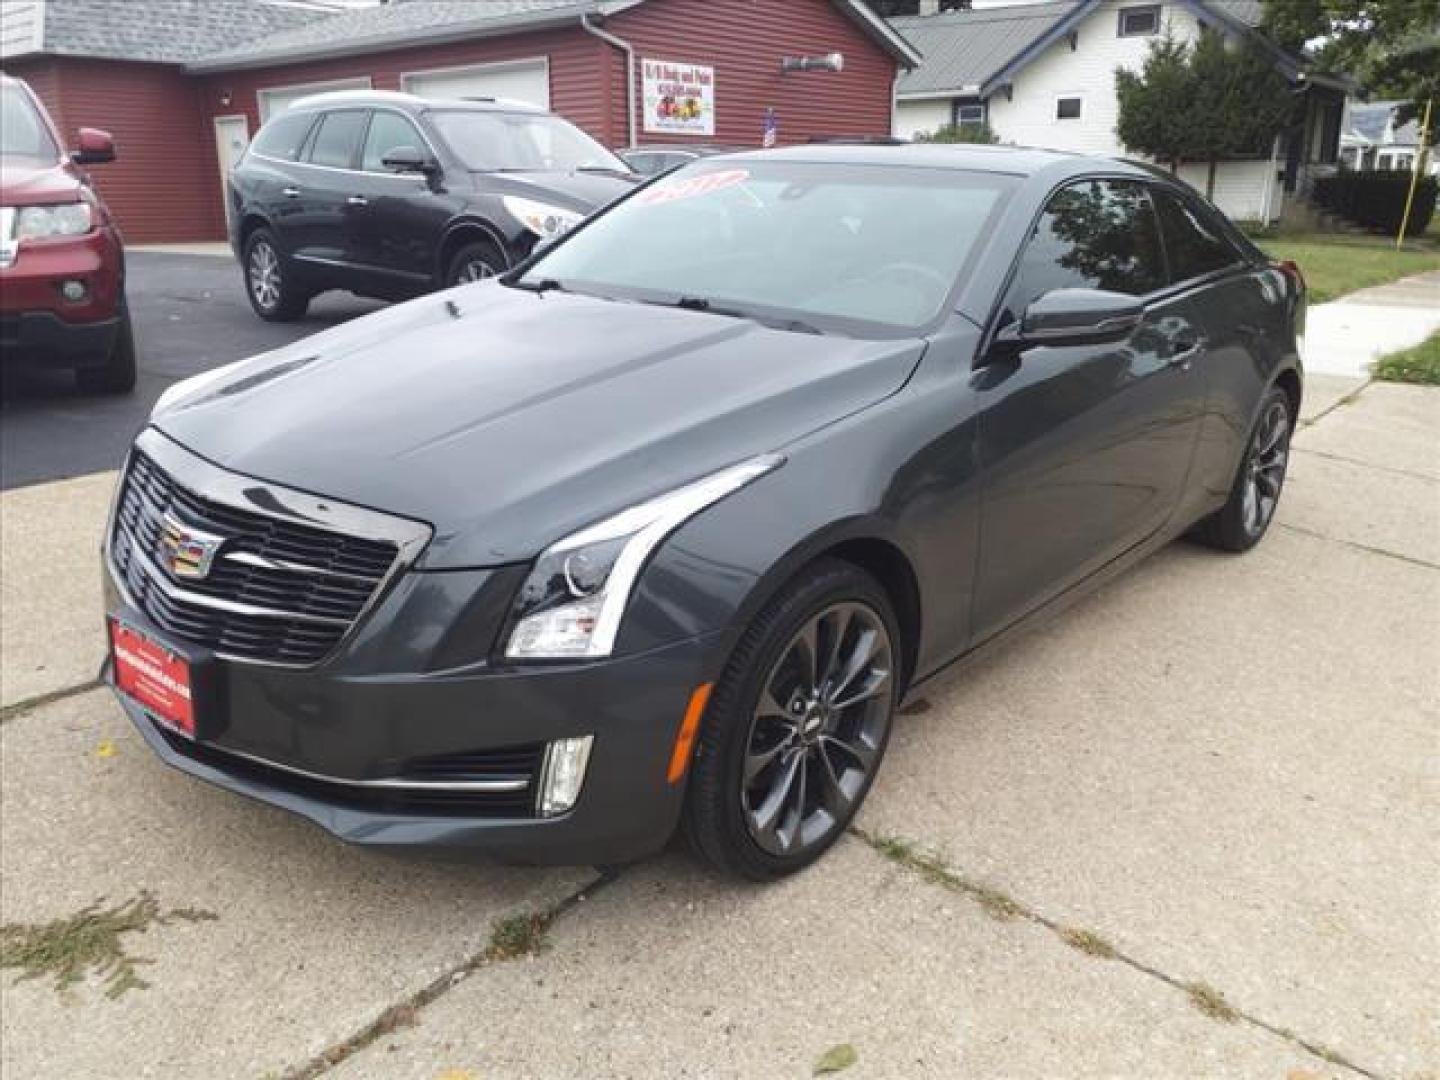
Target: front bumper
315,741
38,325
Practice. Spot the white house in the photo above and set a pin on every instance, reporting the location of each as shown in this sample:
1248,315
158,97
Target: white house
1373,140
1044,75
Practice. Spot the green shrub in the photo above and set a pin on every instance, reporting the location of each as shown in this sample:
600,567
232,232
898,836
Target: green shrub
1377,199
957,133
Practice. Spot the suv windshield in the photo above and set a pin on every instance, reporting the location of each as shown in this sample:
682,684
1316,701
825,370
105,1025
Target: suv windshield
838,247
22,130
520,142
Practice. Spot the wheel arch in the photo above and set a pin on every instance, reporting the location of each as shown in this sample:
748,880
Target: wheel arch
465,231
252,221
1289,381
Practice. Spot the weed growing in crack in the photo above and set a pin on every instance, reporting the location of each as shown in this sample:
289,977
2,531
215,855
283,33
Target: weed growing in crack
1211,1002
90,941
517,936
1088,942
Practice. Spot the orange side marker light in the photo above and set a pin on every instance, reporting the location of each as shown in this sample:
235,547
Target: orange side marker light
689,728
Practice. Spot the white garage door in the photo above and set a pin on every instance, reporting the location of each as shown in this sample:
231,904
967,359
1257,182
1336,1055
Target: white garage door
523,80
276,99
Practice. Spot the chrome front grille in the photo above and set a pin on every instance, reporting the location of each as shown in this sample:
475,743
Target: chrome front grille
280,588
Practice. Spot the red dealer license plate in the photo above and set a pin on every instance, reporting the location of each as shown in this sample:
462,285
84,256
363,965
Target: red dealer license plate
154,676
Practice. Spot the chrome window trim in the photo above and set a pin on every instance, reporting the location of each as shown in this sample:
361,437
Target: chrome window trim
210,481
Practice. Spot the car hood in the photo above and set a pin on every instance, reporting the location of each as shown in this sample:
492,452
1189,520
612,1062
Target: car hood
507,419
582,191
27,181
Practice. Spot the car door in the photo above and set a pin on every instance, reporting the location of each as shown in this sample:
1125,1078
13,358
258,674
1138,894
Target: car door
394,221
317,226
1244,305
268,178
1084,449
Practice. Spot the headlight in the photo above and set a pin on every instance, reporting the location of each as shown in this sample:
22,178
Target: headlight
542,219
571,604
41,222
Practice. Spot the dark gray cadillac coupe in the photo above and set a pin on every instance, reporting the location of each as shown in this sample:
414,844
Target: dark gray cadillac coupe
657,530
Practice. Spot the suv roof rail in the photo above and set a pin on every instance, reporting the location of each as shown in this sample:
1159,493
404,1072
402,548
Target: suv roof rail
359,96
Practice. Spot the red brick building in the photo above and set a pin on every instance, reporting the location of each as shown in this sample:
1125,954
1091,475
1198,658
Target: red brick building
184,84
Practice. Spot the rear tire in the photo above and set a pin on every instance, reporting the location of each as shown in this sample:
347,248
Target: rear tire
117,376
1255,494
475,262
269,283
797,725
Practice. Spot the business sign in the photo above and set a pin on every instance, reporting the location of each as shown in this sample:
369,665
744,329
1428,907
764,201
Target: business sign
679,98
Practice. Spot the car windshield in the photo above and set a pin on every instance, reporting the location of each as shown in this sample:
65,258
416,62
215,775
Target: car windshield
521,142
843,248
23,132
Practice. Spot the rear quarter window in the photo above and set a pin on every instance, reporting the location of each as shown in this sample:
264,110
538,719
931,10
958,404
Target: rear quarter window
282,137
1195,243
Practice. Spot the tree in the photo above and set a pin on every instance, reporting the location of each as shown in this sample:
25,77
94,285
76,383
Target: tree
1211,101
1391,46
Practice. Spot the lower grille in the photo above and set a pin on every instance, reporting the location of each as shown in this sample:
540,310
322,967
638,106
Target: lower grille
404,794
261,585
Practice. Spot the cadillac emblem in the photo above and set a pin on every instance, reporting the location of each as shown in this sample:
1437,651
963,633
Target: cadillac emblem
187,552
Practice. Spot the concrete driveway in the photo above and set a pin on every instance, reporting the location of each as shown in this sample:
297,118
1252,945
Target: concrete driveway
1190,828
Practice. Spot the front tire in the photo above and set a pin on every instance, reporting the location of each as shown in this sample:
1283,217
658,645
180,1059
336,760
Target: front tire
1243,520
475,262
117,376
269,283
797,725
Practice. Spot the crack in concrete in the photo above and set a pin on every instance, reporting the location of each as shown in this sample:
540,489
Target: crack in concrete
1204,997
20,708
405,1013
1366,548
1369,465
1348,399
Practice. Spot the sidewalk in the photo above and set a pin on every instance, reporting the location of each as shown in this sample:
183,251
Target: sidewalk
1345,336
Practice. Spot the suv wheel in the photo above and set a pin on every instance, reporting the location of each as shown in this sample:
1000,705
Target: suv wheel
268,283
474,262
797,725
117,376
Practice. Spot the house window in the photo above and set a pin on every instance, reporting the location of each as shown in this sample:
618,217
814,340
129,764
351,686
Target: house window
1067,108
1140,21
970,115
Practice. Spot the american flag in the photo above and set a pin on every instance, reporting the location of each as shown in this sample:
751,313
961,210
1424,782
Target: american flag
772,129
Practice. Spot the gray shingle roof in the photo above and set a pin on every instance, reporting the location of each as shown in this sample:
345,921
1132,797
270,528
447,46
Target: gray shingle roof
394,24
964,48
165,31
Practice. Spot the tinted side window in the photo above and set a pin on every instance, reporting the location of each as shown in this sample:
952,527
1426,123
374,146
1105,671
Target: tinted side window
282,137
338,139
1195,246
388,131
1097,234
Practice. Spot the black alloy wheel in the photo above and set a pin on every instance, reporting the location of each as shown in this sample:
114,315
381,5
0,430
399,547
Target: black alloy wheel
798,725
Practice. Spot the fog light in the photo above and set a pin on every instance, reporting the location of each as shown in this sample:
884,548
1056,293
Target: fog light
563,774
74,291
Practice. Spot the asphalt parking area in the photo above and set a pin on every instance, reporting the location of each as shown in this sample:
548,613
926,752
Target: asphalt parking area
1188,828
190,315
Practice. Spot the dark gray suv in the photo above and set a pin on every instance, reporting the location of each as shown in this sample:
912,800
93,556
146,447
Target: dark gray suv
389,195
661,527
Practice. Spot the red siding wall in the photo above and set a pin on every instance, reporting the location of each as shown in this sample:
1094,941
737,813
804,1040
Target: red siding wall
162,185
744,41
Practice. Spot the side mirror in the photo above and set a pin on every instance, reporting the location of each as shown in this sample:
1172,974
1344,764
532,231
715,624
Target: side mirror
1080,317
96,147
410,159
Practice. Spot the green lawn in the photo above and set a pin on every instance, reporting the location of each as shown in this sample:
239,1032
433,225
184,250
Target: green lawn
1418,365
1336,264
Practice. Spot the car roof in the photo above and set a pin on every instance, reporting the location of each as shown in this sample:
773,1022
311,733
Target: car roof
970,157
412,103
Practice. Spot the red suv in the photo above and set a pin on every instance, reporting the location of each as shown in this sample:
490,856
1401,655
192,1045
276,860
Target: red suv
62,267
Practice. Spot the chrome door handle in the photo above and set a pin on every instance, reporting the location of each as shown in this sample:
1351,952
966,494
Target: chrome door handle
357,200
290,192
